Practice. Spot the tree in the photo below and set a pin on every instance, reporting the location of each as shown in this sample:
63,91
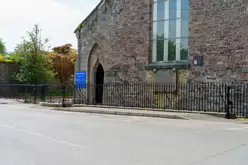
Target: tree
2,48
62,60
18,55
34,67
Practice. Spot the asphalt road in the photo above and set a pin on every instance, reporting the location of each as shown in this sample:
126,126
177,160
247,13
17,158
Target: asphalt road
35,136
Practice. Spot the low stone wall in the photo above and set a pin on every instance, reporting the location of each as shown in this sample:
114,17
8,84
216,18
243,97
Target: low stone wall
6,77
6,72
129,95
215,98
210,97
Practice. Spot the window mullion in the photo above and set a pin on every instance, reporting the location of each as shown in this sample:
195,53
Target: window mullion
154,49
178,30
166,31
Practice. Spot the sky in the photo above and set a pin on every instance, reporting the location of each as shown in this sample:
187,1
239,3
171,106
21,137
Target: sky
57,18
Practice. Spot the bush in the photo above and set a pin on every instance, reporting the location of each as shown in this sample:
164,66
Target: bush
9,61
60,93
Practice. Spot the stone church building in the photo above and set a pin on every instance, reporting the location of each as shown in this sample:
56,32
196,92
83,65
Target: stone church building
164,41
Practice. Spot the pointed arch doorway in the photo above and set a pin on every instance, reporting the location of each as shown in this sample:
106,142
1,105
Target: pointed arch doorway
99,82
95,90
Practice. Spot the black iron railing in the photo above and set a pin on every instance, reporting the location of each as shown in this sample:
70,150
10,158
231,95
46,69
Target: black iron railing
209,97
35,93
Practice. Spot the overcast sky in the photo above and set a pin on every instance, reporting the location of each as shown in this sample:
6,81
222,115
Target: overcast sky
57,18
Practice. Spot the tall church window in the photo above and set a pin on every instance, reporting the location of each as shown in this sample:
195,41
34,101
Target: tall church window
170,30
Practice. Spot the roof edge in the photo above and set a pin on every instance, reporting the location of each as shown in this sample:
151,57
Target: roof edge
92,12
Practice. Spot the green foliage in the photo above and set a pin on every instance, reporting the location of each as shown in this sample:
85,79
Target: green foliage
15,57
80,26
2,48
9,61
2,58
60,93
34,67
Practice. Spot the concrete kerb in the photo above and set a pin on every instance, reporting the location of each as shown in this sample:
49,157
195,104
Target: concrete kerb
143,111
121,113
46,104
216,114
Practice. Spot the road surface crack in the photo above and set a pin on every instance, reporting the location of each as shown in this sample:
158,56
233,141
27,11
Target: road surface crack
219,154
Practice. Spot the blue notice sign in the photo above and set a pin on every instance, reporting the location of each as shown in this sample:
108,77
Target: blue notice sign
81,79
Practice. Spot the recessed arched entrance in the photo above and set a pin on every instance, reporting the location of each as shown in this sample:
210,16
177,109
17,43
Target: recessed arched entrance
95,76
99,81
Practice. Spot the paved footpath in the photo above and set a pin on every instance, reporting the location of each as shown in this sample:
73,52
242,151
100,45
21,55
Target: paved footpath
169,114
31,135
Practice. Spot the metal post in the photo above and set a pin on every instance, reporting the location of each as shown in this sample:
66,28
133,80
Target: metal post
228,101
63,99
74,94
43,93
35,93
26,95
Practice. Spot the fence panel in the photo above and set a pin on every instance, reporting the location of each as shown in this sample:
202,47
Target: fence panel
208,97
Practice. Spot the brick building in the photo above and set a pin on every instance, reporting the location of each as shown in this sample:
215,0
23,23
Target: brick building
164,41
